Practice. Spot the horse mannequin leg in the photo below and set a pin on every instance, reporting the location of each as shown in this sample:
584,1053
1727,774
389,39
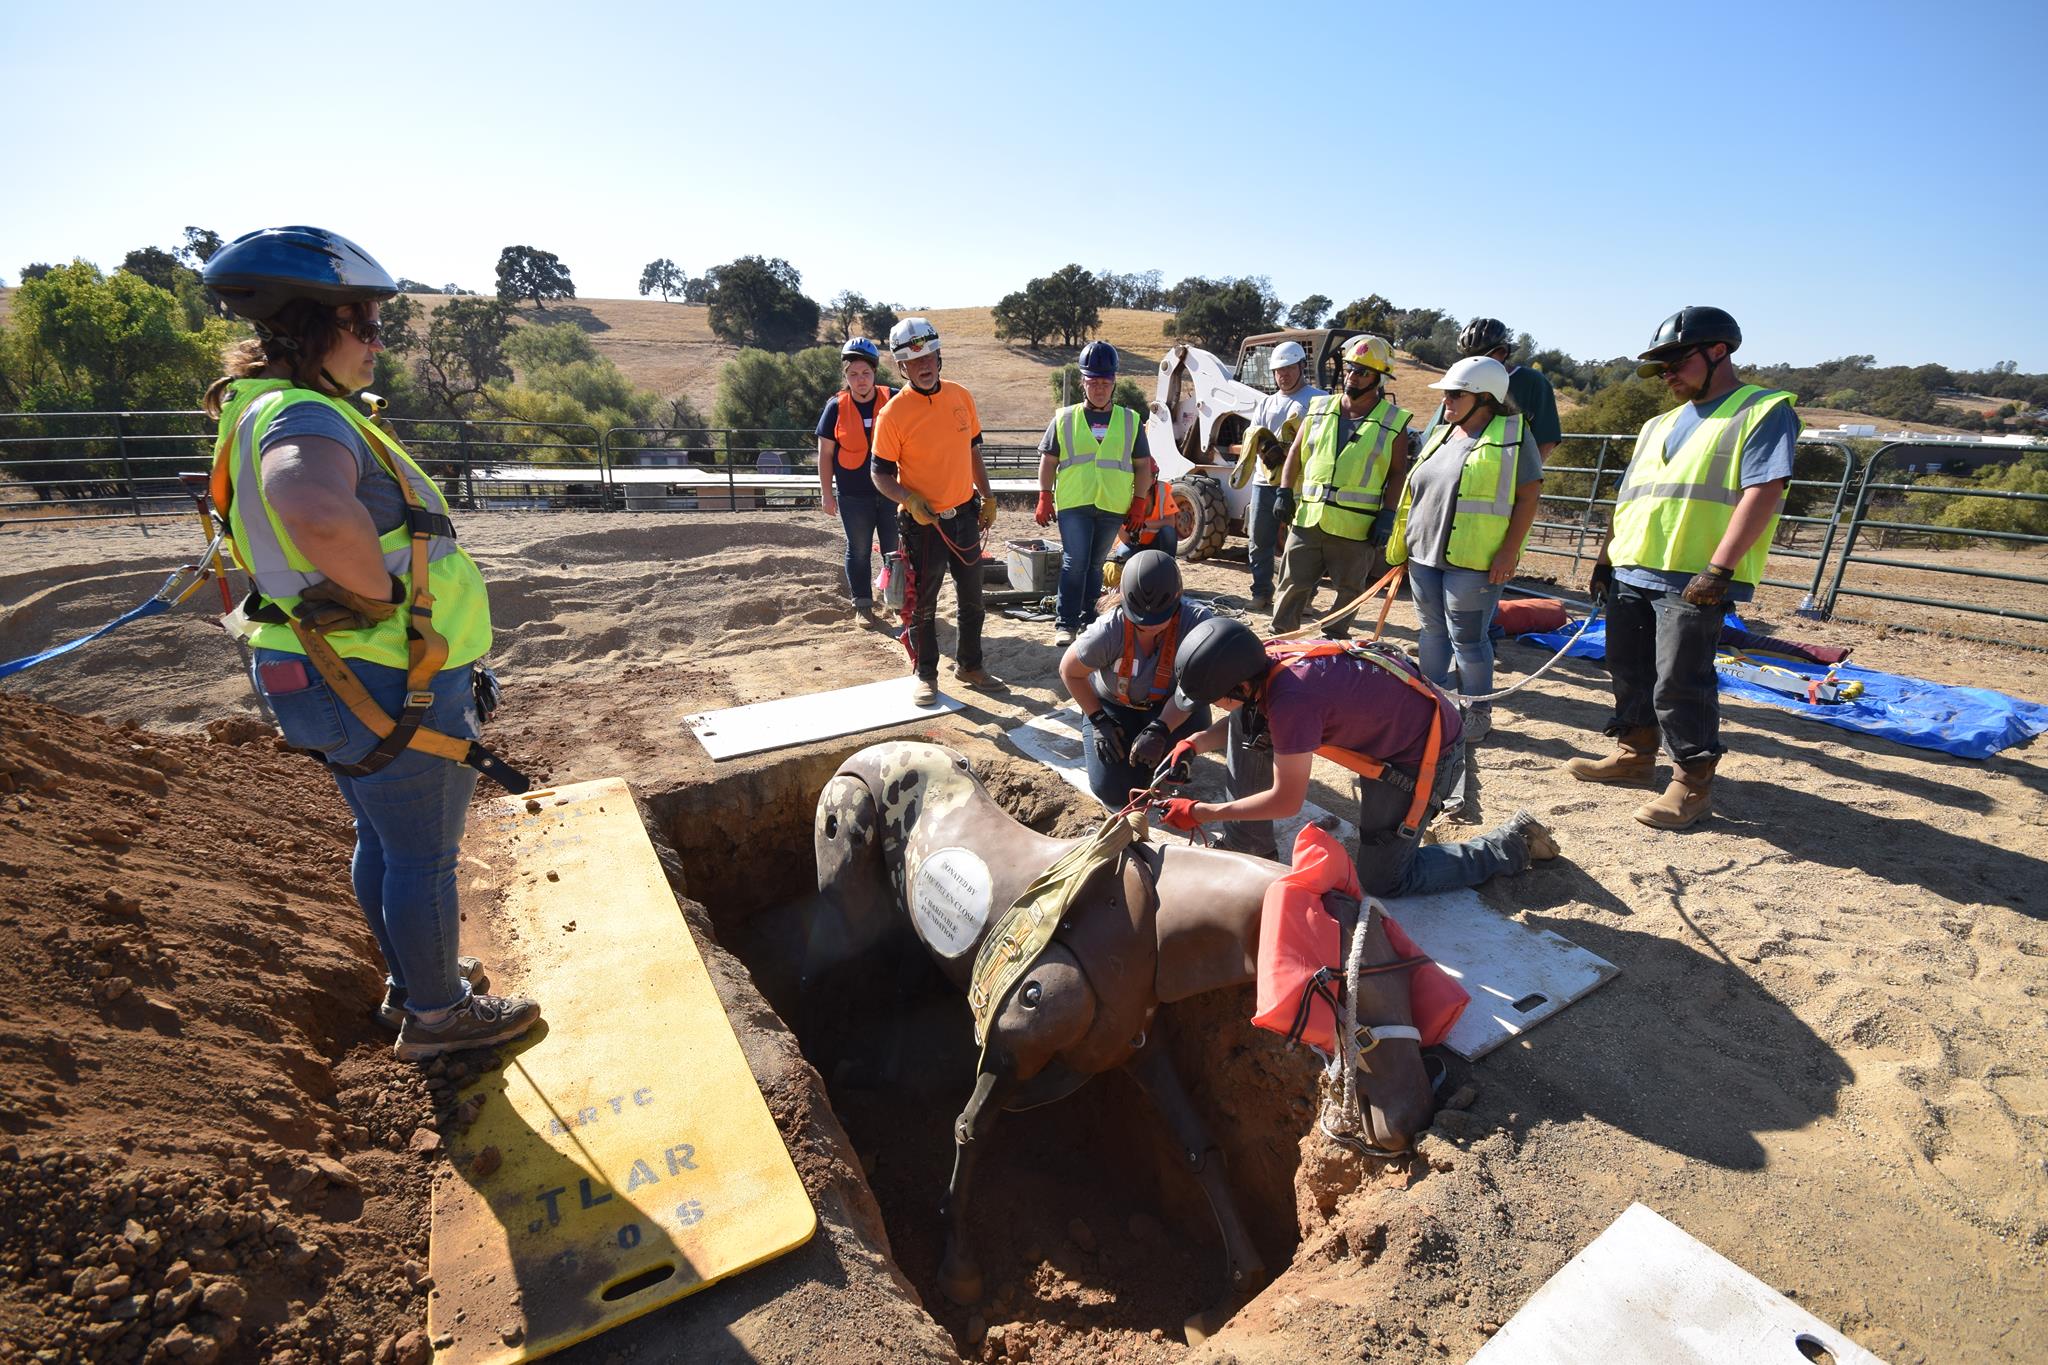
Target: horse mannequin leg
959,1272
1153,1070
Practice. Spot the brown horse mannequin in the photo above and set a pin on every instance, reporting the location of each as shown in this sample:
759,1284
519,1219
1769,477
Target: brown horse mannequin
906,829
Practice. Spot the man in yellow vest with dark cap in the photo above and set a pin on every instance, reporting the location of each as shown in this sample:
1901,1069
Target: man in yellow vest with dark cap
1693,520
1348,460
367,620
1093,466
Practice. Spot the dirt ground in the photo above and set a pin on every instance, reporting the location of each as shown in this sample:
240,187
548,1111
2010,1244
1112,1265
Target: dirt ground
1822,1056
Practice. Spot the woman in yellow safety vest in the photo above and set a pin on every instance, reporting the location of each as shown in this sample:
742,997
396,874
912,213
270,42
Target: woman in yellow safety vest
1467,507
367,619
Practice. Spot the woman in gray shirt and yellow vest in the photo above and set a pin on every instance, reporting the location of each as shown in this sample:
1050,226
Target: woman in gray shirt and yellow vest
1464,514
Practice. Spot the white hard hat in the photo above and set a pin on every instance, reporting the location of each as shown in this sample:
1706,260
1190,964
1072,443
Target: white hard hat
1477,374
913,337
1286,353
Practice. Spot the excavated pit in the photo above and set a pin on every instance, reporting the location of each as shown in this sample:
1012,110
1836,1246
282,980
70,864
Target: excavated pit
1092,1235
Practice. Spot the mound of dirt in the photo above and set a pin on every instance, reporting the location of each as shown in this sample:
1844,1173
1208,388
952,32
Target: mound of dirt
201,1131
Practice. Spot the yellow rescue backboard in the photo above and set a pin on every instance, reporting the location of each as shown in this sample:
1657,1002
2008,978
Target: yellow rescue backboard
623,1156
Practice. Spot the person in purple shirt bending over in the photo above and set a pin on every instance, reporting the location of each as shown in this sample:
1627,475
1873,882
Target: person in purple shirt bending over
1367,709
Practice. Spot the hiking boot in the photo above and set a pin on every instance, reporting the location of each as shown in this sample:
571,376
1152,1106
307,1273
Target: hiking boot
1634,760
392,1012
864,609
478,1021
1536,836
1687,798
1262,604
978,677
925,692
1063,637
1479,721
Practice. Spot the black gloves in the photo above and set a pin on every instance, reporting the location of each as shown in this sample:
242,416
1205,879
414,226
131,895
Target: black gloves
1283,507
1110,747
1602,587
1149,748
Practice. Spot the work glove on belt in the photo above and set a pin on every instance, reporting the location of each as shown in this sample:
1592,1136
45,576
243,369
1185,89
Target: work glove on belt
988,511
327,607
1110,745
1042,514
1709,587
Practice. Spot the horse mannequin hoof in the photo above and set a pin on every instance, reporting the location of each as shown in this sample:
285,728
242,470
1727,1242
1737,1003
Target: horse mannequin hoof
1209,1321
960,1283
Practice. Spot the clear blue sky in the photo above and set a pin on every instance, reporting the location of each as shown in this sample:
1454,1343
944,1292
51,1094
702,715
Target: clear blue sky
1844,178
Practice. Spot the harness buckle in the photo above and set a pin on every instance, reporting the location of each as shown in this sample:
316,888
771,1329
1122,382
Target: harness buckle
418,701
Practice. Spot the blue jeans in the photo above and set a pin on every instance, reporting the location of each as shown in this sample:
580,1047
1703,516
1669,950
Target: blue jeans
1390,863
409,814
1264,537
1113,783
1455,607
867,520
1086,535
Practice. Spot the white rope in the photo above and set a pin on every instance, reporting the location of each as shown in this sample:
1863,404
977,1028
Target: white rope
1548,664
1348,1120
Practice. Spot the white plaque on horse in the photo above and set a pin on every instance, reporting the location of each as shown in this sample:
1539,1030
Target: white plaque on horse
949,900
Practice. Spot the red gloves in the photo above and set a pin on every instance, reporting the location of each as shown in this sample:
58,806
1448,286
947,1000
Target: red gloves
1179,813
1043,516
1181,752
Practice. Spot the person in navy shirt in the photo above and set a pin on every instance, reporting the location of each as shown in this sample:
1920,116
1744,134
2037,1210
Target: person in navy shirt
845,434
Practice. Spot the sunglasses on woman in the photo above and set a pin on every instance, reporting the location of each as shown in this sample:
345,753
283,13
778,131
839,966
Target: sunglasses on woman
369,331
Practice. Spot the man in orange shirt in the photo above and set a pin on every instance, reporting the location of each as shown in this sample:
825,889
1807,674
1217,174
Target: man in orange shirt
928,460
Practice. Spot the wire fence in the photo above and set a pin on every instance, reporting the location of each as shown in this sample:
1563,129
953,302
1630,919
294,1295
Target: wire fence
1858,526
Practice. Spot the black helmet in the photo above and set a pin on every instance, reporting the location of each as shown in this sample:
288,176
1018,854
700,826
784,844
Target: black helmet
260,272
1683,330
1151,587
1482,335
1217,655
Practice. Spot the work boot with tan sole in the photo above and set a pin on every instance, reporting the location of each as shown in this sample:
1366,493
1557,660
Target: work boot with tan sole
978,677
1687,798
1634,760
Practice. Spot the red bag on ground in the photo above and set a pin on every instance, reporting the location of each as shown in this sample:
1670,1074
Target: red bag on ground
1297,938
1527,615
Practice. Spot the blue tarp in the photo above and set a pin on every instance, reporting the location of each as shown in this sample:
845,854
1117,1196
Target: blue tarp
1970,722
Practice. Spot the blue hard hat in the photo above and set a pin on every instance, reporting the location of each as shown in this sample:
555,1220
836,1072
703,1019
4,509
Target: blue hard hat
260,272
1098,360
860,348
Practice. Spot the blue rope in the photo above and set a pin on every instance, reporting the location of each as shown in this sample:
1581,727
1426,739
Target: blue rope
153,607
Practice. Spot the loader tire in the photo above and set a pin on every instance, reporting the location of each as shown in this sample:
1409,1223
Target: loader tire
1202,518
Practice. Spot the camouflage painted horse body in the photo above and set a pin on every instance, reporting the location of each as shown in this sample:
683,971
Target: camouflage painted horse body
905,830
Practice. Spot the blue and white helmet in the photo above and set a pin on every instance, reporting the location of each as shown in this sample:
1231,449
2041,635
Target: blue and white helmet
860,348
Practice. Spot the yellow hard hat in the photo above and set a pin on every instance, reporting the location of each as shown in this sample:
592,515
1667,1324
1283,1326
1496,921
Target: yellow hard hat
1372,352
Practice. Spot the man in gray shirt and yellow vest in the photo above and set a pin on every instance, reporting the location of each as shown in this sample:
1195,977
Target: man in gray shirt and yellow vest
1693,520
1093,464
1351,455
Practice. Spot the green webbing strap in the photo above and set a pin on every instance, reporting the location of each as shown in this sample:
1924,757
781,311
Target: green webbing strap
1028,926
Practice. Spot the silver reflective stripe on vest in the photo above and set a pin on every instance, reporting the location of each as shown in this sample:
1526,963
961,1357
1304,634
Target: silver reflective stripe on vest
1716,485
1357,499
269,565
1503,501
1115,461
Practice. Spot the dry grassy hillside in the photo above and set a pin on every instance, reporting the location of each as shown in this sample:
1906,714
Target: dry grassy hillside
668,348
